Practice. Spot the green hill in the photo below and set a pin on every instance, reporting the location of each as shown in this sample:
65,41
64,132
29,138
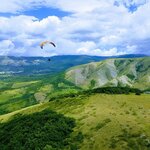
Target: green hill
131,72
105,122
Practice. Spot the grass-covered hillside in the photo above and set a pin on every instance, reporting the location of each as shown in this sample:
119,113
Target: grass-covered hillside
102,122
131,72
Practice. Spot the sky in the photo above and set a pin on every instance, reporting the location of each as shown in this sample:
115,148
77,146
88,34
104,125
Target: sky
77,27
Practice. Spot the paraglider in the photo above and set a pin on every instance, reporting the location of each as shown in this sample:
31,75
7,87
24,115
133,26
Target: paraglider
46,42
42,44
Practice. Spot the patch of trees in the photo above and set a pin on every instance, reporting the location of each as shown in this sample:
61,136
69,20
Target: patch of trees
106,90
37,131
115,90
68,95
92,84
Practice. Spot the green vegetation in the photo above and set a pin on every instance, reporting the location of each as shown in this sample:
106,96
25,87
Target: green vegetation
106,90
93,83
51,112
102,124
37,131
115,90
101,119
17,92
134,141
20,92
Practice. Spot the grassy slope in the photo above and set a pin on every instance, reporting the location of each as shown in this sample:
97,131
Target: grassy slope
101,117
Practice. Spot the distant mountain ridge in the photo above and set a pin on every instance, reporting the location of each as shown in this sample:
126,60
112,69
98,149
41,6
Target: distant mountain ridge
131,72
10,65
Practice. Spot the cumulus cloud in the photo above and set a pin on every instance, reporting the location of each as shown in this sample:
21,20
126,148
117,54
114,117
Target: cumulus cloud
6,46
99,28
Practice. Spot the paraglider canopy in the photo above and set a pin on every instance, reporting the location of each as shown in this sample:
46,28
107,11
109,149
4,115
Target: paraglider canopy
46,42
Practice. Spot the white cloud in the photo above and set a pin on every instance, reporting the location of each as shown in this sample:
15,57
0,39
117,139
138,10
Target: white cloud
86,47
100,52
111,52
78,6
110,40
15,6
98,28
6,46
131,48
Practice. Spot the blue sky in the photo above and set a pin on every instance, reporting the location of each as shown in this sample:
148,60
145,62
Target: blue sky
40,12
91,27
44,12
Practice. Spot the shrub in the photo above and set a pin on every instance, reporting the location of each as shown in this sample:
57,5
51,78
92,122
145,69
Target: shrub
138,93
133,141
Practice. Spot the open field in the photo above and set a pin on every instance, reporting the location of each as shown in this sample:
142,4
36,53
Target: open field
107,122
